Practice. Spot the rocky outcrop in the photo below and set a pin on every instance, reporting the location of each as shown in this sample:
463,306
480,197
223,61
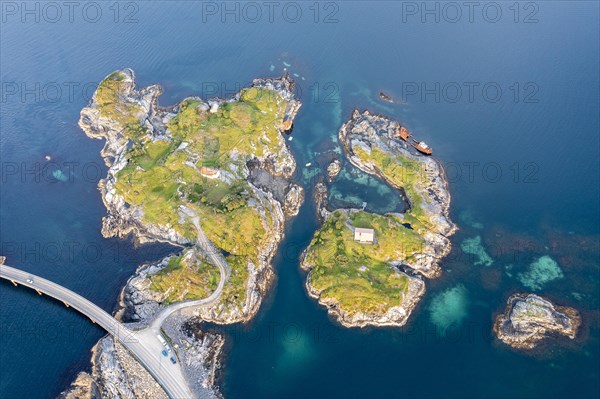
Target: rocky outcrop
333,169
202,352
321,200
199,353
385,97
84,387
139,303
293,200
283,163
529,318
288,194
115,374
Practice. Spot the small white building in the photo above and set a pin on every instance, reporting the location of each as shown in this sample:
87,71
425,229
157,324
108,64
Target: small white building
365,236
214,107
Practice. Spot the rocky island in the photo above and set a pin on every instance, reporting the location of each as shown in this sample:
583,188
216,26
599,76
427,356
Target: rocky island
369,269
529,318
212,178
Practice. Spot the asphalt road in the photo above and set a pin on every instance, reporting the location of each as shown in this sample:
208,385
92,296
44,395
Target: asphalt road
144,344
216,259
145,347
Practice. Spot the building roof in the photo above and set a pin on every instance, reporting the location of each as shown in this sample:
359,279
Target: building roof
361,234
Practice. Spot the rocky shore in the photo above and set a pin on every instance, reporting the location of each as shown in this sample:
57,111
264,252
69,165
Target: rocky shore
273,195
116,374
368,132
394,316
528,319
372,144
122,219
333,170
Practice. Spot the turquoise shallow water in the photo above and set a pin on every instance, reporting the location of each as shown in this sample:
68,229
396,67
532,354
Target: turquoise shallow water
523,175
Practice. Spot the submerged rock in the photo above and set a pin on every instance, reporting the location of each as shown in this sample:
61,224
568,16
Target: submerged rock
529,318
468,218
449,307
540,272
473,246
59,175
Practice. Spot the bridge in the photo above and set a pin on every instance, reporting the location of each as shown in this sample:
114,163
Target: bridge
143,345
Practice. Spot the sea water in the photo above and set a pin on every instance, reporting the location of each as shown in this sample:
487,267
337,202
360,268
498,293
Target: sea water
524,166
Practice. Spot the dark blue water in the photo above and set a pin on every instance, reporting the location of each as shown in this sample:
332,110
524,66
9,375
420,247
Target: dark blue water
523,164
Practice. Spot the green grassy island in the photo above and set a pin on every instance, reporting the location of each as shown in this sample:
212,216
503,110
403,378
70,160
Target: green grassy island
183,175
377,279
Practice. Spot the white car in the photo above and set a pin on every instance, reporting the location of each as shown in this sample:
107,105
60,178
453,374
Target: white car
30,281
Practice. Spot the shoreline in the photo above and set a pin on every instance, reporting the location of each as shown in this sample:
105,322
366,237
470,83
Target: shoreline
336,315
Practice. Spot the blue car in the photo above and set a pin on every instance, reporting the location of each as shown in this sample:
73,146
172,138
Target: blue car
164,352
173,360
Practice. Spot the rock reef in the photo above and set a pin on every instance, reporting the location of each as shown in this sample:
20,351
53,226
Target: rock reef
529,318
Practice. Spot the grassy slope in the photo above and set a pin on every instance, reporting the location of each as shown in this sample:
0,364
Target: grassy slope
358,275
112,105
402,172
159,177
185,279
